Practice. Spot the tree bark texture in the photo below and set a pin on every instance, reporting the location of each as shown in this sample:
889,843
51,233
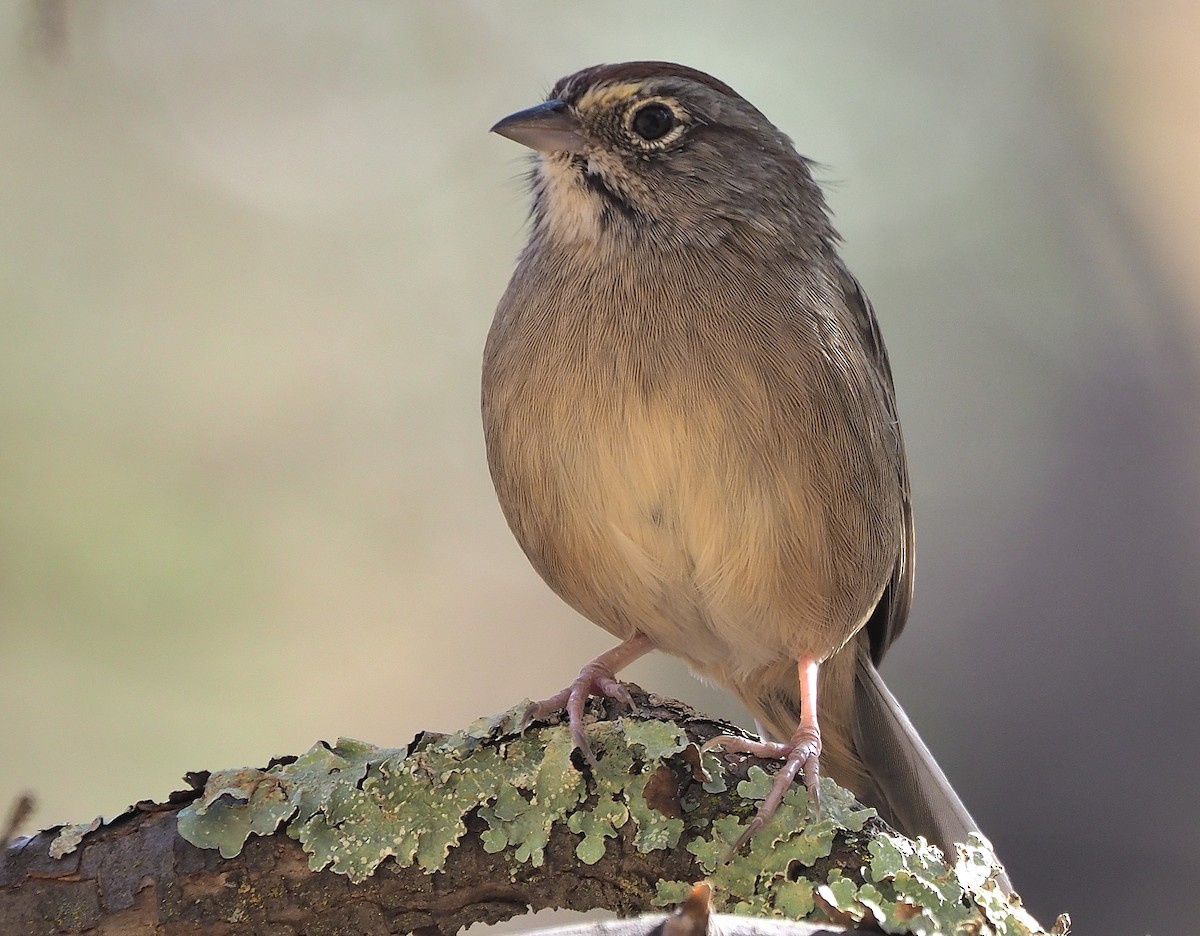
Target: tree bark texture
138,875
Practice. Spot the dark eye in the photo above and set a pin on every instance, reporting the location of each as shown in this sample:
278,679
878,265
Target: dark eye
653,121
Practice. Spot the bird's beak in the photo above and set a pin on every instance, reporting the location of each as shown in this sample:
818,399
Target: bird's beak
548,128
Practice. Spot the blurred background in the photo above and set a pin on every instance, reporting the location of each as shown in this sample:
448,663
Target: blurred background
248,257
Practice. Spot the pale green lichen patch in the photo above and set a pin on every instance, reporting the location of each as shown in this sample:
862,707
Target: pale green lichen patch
352,805
794,899
542,791
669,893
714,771
841,894
908,888
904,887
658,740
69,837
492,726
655,829
321,775
596,825
236,804
761,878
618,785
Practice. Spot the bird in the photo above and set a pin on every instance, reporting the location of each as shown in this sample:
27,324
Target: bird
691,427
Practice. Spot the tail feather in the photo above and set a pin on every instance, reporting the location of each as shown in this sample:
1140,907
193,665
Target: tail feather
912,792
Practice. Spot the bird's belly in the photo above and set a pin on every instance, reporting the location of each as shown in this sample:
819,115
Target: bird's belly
683,523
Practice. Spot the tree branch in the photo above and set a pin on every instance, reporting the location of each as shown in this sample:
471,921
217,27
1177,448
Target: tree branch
483,825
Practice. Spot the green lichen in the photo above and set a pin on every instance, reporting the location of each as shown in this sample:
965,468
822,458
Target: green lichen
658,740
353,805
908,888
655,829
711,766
69,837
596,825
236,804
759,879
841,894
670,893
904,886
794,899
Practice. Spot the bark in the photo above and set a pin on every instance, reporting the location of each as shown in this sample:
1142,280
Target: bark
137,875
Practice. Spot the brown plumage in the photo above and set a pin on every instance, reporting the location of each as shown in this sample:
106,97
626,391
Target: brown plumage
691,425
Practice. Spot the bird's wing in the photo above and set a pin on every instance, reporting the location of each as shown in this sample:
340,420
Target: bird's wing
888,618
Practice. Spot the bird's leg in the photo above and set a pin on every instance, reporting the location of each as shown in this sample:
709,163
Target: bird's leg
598,678
801,753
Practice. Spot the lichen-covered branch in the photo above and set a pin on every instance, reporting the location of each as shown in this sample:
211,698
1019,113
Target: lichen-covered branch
481,825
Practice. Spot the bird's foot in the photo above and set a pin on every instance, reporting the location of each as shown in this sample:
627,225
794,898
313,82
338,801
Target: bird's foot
595,679
801,754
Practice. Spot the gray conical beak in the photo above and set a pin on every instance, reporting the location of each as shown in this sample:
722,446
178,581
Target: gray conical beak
547,128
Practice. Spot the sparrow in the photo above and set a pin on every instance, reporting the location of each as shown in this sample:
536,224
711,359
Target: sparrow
691,426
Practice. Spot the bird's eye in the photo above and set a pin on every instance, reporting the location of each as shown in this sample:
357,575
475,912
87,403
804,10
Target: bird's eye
653,121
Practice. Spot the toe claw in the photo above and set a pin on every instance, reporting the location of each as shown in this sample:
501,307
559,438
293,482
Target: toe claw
812,785
528,717
755,824
732,744
618,691
595,679
536,711
801,757
579,739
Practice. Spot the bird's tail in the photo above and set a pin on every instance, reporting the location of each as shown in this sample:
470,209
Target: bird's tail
914,794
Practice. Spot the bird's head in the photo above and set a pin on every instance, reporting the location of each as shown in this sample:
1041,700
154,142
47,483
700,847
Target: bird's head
662,153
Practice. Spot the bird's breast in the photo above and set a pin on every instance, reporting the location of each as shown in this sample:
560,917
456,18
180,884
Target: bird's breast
684,485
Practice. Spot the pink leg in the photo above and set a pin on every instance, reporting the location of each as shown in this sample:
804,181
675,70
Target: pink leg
598,678
801,753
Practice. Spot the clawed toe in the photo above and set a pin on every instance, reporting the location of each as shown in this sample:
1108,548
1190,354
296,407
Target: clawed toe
598,678
802,754
595,679
536,711
751,830
734,744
